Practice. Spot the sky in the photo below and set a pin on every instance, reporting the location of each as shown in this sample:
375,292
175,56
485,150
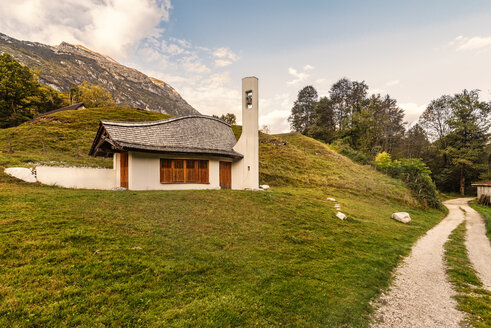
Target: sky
415,51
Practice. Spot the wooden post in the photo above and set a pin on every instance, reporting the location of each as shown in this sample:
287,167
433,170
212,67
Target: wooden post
10,145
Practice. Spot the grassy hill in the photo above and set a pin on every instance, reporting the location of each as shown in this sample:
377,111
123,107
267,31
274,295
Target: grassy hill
67,137
197,258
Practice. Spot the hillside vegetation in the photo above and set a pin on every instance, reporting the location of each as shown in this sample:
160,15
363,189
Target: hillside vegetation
198,258
67,137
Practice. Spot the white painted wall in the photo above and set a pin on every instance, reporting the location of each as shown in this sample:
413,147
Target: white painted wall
21,173
144,172
245,172
77,177
483,190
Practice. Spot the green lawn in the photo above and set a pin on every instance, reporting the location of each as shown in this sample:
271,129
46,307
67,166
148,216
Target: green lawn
471,297
485,211
198,258
195,258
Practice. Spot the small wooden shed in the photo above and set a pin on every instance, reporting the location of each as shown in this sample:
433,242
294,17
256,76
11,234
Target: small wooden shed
483,192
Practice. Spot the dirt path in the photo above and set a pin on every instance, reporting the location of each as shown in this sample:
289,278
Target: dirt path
420,295
477,244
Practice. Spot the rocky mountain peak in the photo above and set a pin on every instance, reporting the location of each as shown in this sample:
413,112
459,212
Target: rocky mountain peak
67,65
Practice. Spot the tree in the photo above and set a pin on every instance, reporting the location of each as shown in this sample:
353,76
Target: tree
377,125
347,97
265,129
21,95
435,118
469,125
229,118
91,95
415,144
303,110
17,85
324,127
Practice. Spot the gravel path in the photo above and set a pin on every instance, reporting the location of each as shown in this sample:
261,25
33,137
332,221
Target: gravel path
477,244
420,295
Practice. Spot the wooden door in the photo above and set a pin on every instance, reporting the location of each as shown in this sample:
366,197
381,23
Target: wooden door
123,160
226,175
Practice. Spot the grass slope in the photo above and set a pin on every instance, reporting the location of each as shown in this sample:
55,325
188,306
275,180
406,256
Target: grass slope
200,258
67,137
471,297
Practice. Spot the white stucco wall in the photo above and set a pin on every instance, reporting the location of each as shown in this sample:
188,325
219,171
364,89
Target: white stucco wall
483,190
77,177
21,173
245,172
144,172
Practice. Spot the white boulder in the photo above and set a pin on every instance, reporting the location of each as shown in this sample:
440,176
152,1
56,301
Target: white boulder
21,173
331,199
341,216
264,187
401,217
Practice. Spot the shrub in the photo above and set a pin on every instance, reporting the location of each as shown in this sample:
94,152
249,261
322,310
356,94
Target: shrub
417,176
383,160
346,150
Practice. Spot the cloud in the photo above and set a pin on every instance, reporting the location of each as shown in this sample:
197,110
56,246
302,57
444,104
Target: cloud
111,27
412,111
193,64
213,95
275,111
224,57
299,76
375,91
475,43
392,83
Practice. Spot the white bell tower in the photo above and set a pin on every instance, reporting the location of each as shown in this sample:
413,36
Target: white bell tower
245,172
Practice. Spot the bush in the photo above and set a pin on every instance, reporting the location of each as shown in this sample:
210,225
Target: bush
383,160
415,174
355,155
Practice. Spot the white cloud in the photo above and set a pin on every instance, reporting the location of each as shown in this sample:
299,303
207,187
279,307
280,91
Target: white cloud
111,27
476,43
213,95
376,91
412,111
275,111
392,83
299,76
193,64
223,62
308,67
224,57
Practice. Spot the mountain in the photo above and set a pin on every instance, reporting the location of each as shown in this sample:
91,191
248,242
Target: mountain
67,65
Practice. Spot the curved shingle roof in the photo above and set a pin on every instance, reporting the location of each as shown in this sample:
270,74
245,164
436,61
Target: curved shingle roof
186,134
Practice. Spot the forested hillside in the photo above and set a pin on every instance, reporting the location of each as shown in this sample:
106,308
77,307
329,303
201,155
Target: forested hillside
451,138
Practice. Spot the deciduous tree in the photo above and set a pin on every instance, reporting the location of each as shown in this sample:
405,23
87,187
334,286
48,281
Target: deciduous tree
303,111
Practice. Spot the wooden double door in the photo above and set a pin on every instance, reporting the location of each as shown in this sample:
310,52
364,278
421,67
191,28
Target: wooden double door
225,175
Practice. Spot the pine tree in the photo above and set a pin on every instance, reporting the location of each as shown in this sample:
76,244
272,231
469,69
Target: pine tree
469,127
